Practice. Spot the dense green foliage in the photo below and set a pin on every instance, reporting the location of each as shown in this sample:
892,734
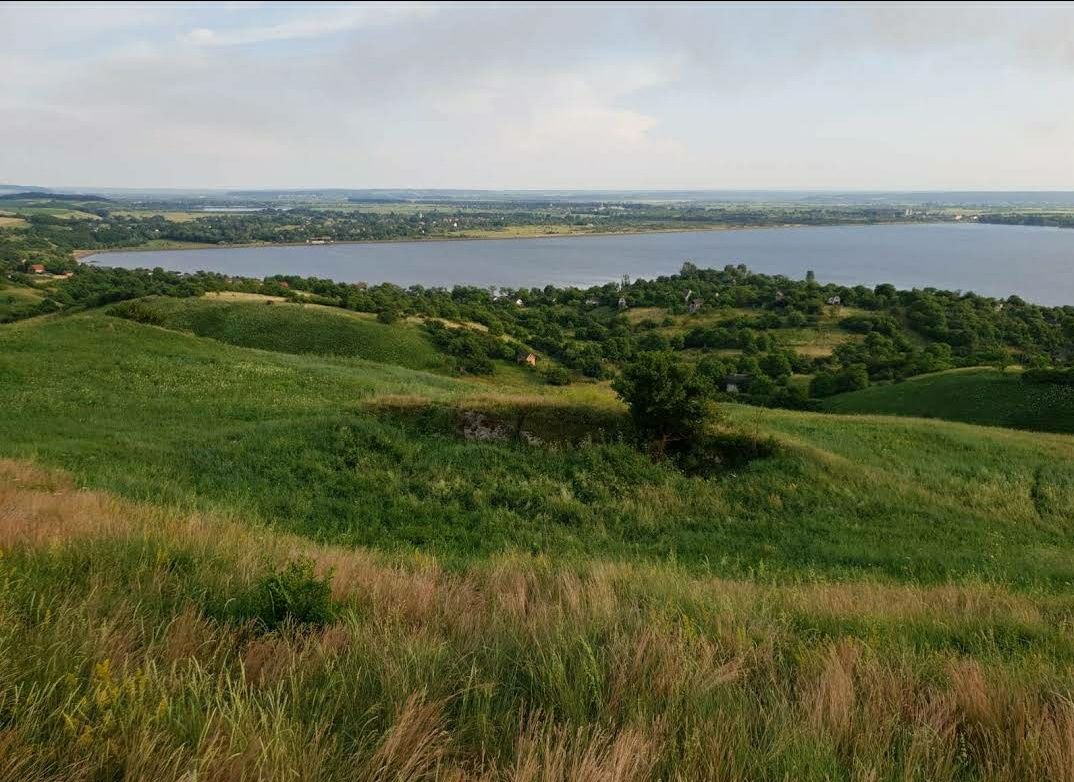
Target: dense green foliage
667,400
982,396
472,349
751,324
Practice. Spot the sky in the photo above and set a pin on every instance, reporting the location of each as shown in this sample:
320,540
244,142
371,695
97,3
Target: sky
538,96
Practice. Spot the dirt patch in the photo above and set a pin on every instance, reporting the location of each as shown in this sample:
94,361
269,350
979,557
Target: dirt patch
535,420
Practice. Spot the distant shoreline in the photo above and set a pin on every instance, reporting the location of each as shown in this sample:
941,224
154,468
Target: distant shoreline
80,254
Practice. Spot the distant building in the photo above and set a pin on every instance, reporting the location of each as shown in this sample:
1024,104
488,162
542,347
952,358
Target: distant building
622,303
695,305
285,284
529,359
37,268
734,384
835,301
592,302
519,302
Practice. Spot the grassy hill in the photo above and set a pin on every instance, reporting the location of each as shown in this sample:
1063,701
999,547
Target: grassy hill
305,443
17,301
978,396
268,324
218,562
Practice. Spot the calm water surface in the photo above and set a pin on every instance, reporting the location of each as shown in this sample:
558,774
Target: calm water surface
1035,263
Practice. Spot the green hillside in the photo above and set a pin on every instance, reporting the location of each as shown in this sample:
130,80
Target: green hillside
289,328
219,562
318,446
978,396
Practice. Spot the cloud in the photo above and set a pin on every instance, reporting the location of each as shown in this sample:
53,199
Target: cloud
525,95
301,27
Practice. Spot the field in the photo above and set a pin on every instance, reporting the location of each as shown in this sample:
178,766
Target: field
263,562
16,300
812,341
10,221
171,216
978,396
270,324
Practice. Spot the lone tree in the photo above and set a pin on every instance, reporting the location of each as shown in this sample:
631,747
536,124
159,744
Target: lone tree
667,400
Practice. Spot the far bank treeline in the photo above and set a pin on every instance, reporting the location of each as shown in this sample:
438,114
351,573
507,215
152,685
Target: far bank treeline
55,225
741,330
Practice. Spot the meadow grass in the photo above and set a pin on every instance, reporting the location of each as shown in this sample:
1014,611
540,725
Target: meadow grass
170,216
29,209
121,659
16,301
306,444
227,563
297,328
978,396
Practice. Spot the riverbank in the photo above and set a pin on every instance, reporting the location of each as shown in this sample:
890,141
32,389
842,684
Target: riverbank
472,236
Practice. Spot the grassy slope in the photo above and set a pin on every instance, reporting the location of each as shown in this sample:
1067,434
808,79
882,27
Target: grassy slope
125,656
17,300
129,645
294,440
978,396
299,328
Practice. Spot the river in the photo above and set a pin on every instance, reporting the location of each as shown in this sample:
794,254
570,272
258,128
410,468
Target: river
1034,263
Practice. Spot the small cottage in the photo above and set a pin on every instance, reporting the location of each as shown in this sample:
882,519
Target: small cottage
38,268
622,303
835,301
529,359
695,305
592,302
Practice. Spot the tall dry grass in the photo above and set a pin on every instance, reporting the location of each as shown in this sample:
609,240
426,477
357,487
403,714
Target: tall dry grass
116,662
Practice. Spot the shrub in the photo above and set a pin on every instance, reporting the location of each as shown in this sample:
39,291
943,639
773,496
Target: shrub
557,376
139,312
293,594
667,400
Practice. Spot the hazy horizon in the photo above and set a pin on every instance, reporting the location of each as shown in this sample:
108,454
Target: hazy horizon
826,98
